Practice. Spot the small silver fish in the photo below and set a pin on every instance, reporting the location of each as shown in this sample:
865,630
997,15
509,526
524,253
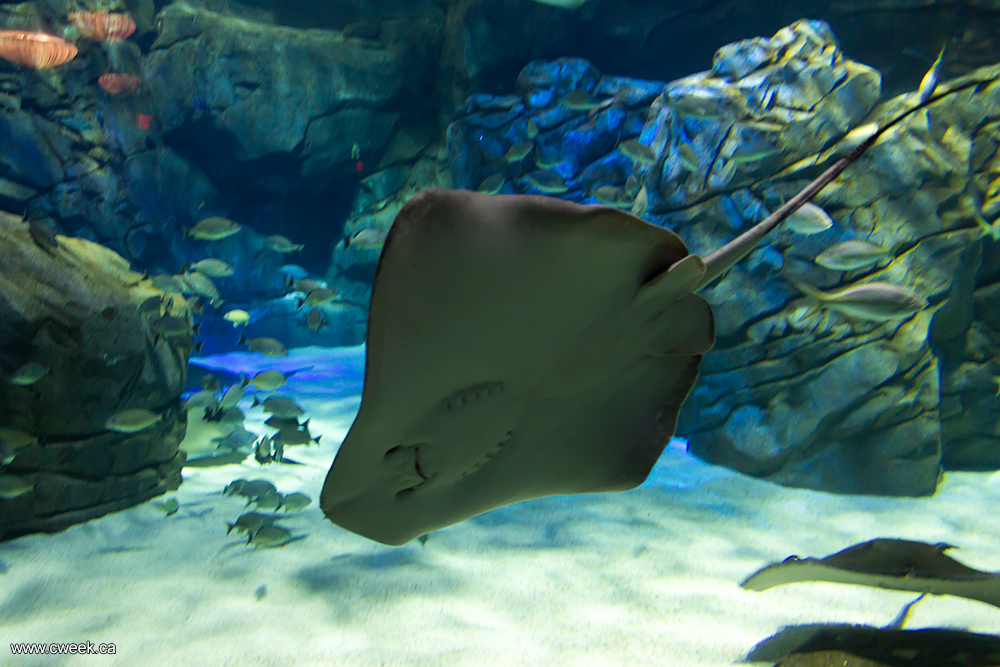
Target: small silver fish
698,102
641,203
256,488
578,100
152,307
809,219
518,151
315,320
201,284
132,420
214,268
877,301
269,347
637,151
240,439
747,156
234,487
296,502
368,238
268,380
29,374
169,284
233,395
293,436
991,206
531,128
548,182
294,271
688,157
611,195
319,296
270,536
491,184
987,228
16,439
262,452
280,406
286,423
213,229
169,506
269,502
237,317
857,136
12,487
250,523
282,244
929,83
993,189
851,255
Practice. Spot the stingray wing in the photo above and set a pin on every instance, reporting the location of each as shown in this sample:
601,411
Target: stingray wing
518,347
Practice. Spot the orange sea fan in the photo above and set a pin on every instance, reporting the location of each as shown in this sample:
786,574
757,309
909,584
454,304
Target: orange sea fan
35,49
103,26
117,83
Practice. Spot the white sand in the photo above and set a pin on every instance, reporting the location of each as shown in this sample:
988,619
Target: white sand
648,577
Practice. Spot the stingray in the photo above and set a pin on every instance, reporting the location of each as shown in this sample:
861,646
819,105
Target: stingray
867,645
899,565
521,347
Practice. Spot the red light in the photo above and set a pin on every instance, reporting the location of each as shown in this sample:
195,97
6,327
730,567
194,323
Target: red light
142,120
360,166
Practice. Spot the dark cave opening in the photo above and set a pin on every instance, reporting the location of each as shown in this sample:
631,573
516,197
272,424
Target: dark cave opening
268,194
311,215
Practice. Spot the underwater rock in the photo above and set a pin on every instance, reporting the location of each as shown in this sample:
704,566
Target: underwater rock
283,101
72,308
809,399
923,398
25,159
766,104
382,194
563,135
797,93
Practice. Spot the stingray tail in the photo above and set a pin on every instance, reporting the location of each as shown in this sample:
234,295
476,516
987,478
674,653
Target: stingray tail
721,260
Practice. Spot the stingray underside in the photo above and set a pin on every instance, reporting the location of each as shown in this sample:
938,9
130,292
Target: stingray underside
518,347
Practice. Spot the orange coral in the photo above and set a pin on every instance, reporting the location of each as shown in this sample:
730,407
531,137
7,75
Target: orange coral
116,83
35,49
103,26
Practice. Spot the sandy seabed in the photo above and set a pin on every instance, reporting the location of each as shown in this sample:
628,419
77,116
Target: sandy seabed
648,577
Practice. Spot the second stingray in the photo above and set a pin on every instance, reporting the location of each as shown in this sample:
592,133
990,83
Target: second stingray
899,565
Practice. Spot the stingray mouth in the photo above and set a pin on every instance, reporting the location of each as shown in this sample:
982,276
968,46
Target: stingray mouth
404,461
416,468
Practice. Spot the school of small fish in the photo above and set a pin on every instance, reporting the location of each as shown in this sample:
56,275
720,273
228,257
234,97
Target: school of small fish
261,527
